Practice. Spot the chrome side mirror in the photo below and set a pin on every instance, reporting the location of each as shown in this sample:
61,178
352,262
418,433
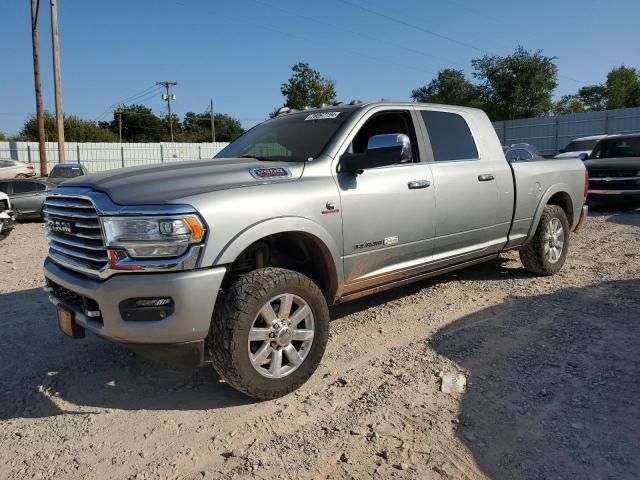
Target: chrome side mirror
391,143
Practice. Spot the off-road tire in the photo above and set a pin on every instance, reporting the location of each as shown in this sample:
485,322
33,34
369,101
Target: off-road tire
233,316
532,254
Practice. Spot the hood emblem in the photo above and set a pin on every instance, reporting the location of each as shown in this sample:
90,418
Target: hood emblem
266,173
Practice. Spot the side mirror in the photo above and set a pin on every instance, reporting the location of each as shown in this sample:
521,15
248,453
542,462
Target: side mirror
382,150
583,156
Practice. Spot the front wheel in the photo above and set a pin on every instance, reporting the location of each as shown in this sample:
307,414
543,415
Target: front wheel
547,251
268,332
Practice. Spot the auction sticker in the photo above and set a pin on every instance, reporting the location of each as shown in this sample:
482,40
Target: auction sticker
322,116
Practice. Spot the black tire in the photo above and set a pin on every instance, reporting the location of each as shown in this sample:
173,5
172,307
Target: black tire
234,314
533,256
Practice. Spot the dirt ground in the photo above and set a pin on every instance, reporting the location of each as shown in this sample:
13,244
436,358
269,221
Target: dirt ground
552,367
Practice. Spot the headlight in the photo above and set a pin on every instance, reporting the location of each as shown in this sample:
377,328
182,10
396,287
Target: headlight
152,237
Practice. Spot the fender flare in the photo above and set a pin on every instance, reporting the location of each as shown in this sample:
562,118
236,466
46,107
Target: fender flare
253,233
544,200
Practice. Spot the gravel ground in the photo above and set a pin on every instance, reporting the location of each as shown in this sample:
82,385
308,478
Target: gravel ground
552,367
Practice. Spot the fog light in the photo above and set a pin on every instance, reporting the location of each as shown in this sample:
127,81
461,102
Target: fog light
153,302
146,309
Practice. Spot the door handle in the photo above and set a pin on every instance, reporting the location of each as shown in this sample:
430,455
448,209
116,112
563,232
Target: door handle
415,184
487,177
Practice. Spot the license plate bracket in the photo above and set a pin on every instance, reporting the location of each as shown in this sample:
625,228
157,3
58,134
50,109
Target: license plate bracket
67,323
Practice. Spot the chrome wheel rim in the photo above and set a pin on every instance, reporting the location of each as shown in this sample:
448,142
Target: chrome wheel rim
281,336
554,240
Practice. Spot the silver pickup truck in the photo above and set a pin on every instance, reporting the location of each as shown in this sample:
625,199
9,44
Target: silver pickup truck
237,258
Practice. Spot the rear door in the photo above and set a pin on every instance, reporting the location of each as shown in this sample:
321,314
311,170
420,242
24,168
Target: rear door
465,188
27,197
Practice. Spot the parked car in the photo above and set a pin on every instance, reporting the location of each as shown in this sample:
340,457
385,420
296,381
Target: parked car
64,171
16,169
521,152
580,147
244,253
7,215
27,195
614,167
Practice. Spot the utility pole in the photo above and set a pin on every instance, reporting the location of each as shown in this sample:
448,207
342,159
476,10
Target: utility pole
168,97
120,122
213,123
57,80
35,8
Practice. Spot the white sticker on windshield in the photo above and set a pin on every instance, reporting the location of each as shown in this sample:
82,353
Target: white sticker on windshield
322,116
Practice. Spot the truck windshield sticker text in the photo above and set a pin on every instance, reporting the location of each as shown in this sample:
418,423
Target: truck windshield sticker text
322,116
262,173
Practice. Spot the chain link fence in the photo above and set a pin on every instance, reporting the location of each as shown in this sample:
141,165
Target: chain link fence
99,157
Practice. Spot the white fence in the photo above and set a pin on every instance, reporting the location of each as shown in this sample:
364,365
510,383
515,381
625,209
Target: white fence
550,134
98,157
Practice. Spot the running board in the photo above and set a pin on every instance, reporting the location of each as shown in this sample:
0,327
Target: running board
415,278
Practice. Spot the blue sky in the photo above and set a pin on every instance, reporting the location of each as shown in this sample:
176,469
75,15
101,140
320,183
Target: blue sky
240,51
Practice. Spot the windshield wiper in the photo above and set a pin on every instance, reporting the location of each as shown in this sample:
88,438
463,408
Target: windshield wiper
262,159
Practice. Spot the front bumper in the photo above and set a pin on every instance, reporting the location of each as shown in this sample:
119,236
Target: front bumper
631,193
193,292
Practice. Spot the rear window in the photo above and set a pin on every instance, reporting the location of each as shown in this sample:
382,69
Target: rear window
24,187
65,172
450,136
580,146
4,187
617,148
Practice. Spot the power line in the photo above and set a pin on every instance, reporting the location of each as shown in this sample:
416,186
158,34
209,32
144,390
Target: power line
325,45
362,35
436,34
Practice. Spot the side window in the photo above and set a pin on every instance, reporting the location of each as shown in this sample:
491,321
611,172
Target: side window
385,123
40,187
5,163
450,136
23,187
4,187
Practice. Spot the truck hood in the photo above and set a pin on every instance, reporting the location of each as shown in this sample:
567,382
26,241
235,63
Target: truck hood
623,164
164,183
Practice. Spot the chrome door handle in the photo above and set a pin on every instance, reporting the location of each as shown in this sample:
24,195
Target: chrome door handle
415,184
486,177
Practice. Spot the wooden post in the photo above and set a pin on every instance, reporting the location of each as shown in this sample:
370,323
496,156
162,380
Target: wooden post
35,7
57,80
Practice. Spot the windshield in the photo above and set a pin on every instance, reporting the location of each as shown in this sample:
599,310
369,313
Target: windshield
617,147
65,172
295,137
581,146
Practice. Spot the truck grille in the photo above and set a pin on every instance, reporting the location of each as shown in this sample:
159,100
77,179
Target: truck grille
75,233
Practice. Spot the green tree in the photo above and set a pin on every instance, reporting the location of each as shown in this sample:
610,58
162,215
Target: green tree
593,97
449,87
519,85
623,88
569,104
76,129
307,88
196,127
3,137
139,124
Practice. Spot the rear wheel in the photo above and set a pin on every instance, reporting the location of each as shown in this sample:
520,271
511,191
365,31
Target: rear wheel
21,175
269,332
547,251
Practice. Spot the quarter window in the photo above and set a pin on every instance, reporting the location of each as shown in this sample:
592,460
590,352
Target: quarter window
450,136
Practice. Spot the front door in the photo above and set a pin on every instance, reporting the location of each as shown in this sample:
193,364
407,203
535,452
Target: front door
387,212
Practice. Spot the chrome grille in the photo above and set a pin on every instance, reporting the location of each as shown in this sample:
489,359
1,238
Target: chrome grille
83,245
